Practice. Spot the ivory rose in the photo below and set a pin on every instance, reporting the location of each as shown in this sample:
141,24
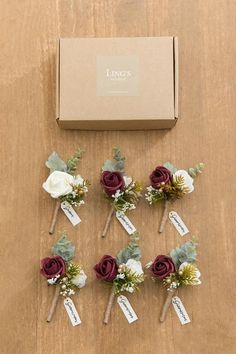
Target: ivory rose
58,184
80,279
188,180
134,266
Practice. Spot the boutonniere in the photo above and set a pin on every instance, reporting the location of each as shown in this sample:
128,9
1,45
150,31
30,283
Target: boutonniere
168,184
63,274
122,273
176,270
122,191
63,185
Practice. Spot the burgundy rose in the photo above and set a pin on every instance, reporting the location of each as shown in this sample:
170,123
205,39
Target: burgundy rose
112,181
160,175
162,267
106,269
52,266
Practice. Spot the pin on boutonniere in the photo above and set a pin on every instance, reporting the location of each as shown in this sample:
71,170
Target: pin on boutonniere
60,272
122,191
63,185
176,270
122,273
169,184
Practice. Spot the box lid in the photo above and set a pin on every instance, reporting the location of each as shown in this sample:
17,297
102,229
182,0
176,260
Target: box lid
110,79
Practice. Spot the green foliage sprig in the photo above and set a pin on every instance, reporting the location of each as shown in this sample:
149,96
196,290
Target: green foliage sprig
64,248
73,161
131,251
185,253
73,270
55,163
117,165
194,171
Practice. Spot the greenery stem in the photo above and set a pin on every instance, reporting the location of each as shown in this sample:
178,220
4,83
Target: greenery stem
107,222
109,306
167,304
54,217
54,303
164,216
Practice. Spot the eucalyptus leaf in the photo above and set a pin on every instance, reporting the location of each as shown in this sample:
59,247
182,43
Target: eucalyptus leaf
185,253
194,171
120,164
55,163
170,167
73,161
117,165
108,166
64,248
132,251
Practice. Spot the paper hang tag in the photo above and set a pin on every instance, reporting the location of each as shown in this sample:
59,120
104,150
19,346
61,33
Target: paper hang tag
178,223
125,222
180,310
72,312
127,308
70,213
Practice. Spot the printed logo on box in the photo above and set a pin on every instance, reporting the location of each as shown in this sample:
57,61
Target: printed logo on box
117,76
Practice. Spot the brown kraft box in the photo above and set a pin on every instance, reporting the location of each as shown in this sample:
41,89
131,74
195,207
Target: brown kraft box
117,83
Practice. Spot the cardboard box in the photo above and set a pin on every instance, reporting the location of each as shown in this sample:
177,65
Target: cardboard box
117,83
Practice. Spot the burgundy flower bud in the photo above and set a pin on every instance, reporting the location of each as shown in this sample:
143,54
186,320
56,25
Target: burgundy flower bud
106,269
162,267
111,182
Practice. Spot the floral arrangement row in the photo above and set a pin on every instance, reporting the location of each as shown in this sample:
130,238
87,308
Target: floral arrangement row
123,273
122,192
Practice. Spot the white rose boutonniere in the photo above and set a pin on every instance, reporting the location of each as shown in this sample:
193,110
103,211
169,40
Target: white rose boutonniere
62,183
58,184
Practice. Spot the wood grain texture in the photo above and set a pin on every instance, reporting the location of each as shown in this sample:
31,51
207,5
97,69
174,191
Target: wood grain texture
205,132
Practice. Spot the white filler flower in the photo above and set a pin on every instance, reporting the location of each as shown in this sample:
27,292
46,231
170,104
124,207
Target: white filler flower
188,180
134,266
78,180
58,184
80,279
127,180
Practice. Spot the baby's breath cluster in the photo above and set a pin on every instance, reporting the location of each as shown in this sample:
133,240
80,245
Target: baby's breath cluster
153,195
127,198
79,190
127,279
67,288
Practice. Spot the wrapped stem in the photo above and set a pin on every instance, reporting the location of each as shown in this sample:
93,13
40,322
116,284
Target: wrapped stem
109,306
54,217
108,221
167,304
164,216
54,303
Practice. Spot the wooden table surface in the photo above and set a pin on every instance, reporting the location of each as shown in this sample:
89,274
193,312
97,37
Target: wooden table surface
29,133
